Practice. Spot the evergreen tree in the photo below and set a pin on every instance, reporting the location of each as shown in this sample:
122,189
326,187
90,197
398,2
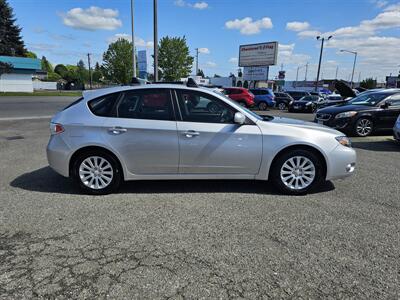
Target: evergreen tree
46,65
11,43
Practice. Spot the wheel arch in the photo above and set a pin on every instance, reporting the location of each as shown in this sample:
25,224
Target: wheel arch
312,149
93,148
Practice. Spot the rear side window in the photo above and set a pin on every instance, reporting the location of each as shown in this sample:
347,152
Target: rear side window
148,104
104,105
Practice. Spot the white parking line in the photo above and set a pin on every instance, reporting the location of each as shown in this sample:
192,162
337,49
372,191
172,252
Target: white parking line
25,118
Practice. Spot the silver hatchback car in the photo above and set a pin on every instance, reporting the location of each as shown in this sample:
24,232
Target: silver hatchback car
173,131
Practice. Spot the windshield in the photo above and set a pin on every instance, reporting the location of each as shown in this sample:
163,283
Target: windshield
368,99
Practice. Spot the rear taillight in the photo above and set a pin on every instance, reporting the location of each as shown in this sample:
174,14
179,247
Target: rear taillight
56,128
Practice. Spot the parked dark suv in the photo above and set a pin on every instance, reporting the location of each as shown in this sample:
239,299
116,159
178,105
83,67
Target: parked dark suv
364,114
282,100
296,95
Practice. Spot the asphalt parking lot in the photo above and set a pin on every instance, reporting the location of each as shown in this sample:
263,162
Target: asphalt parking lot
192,239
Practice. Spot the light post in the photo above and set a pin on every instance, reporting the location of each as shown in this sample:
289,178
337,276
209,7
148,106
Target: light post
133,43
320,58
155,37
197,61
297,73
354,64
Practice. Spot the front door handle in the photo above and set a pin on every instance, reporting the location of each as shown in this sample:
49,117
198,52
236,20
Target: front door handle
190,133
117,130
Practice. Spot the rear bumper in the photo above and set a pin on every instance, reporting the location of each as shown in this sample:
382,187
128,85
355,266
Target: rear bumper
342,162
58,155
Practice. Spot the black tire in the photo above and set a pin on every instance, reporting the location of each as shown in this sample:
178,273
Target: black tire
115,166
360,123
262,106
281,106
275,173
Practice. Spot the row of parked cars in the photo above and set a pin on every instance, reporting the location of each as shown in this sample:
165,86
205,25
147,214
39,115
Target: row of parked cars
358,114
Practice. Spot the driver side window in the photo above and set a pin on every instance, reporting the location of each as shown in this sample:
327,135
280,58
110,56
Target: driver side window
201,107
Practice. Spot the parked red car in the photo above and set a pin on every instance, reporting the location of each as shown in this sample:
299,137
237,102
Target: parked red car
241,95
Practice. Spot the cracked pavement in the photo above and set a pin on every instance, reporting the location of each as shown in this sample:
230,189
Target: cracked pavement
196,239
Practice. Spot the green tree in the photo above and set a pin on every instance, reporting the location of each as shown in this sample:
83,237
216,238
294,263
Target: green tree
5,68
61,70
83,73
11,42
117,62
200,73
46,65
368,83
30,54
174,60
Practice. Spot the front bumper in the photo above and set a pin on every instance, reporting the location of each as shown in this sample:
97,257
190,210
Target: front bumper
342,162
342,124
301,108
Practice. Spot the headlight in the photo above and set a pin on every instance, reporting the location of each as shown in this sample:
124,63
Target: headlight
291,102
347,114
308,103
343,140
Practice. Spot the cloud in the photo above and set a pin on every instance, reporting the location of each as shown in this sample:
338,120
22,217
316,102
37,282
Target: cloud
42,46
92,18
198,5
211,64
286,55
248,27
309,34
297,26
204,50
379,3
233,60
139,42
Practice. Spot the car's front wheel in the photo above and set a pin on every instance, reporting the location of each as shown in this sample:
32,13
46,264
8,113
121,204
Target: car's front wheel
363,127
97,173
296,172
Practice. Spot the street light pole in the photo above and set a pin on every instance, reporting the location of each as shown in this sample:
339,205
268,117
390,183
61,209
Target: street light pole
305,76
197,61
155,36
133,43
354,64
320,58
90,71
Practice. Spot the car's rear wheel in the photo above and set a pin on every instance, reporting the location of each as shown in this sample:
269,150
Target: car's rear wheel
262,106
296,172
363,127
282,106
97,173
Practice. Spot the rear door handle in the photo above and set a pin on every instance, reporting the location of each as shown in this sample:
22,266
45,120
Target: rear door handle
190,133
117,130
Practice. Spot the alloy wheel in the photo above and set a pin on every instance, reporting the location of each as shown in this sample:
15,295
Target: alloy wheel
96,172
262,106
364,127
298,172
282,106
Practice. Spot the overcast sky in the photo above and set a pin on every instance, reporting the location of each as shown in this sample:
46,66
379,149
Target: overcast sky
65,30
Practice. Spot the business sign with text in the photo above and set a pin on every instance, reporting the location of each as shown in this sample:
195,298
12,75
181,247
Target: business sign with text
255,73
255,55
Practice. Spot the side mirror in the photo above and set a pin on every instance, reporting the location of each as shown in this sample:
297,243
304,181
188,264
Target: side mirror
239,118
385,104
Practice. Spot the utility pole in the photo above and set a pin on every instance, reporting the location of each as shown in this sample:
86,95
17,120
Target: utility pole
337,70
155,37
297,76
90,72
133,43
197,61
354,64
305,76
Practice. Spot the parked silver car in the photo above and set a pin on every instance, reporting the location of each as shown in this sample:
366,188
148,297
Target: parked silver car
172,131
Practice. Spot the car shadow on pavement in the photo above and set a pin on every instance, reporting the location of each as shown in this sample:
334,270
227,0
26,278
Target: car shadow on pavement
388,145
45,180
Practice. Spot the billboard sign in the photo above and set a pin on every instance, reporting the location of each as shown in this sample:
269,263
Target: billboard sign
255,73
255,55
142,64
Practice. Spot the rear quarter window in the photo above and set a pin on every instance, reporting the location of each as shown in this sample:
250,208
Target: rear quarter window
104,106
